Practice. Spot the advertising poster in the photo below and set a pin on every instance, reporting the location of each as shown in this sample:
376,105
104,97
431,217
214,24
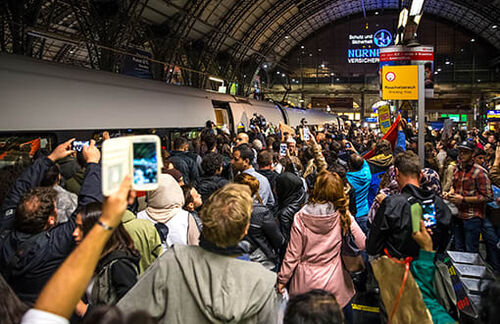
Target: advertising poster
420,55
384,118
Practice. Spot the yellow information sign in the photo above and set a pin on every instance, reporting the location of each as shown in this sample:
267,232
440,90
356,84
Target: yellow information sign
384,118
400,82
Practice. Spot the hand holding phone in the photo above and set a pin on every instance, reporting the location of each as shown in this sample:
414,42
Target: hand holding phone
283,149
136,156
78,146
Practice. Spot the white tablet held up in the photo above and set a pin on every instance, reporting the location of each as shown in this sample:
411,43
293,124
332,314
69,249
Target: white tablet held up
137,156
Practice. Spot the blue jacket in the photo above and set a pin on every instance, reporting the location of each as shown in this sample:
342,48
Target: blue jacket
360,181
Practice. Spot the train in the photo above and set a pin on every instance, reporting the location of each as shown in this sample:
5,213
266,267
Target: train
57,102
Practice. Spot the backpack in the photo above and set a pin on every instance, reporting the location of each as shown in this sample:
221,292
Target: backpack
103,292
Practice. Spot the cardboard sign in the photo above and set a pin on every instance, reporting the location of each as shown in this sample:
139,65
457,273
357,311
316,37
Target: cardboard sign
384,118
400,82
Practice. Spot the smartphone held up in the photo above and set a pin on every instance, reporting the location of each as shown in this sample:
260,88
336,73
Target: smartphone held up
137,156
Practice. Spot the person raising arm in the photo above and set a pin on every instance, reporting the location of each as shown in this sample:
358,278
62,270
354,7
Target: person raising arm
60,295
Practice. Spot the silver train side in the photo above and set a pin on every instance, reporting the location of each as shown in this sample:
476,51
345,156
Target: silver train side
39,96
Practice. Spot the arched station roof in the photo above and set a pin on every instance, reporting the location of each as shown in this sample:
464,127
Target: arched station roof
266,29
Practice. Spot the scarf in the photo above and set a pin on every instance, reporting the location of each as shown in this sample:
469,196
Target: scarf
166,201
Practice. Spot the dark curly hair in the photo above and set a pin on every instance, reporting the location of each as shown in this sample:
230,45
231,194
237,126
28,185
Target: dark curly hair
211,163
34,210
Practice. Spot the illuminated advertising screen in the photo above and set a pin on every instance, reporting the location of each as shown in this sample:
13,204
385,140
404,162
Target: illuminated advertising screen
365,48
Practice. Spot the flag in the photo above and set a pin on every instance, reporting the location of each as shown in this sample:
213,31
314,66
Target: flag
391,136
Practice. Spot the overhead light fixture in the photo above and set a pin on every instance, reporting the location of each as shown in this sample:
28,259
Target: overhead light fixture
278,72
403,18
494,27
302,47
439,70
416,7
286,37
265,66
473,40
216,79
376,13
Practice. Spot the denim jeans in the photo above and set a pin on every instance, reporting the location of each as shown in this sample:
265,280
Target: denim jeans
363,224
491,239
466,234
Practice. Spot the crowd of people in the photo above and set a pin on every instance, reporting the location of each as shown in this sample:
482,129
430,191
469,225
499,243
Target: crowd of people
238,223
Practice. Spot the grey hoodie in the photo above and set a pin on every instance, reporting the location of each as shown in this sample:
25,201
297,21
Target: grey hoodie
188,284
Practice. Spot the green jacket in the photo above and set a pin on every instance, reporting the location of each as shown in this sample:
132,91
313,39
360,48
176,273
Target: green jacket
188,284
423,270
74,184
146,239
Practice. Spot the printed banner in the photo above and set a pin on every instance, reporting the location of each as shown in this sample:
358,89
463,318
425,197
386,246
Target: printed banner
384,118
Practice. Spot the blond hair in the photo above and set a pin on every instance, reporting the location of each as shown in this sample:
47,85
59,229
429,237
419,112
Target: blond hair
329,188
226,215
252,183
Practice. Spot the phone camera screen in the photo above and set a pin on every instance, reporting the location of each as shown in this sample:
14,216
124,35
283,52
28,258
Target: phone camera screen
145,163
78,145
429,214
283,148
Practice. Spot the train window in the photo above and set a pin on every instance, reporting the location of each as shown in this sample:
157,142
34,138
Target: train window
21,149
221,117
223,114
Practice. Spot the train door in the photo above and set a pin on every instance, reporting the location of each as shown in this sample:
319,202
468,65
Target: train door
223,114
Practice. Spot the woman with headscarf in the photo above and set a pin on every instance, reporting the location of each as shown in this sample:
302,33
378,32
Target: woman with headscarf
164,206
429,180
291,197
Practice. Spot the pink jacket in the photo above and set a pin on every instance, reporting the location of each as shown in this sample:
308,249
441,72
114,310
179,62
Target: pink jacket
312,259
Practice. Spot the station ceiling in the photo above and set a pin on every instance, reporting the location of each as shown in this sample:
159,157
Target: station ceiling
268,29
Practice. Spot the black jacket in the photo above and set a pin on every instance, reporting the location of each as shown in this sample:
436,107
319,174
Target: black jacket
264,232
208,185
186,163
270,175
291,198
392,226
28,261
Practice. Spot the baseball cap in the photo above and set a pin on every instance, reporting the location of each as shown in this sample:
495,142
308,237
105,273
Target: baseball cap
466,145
